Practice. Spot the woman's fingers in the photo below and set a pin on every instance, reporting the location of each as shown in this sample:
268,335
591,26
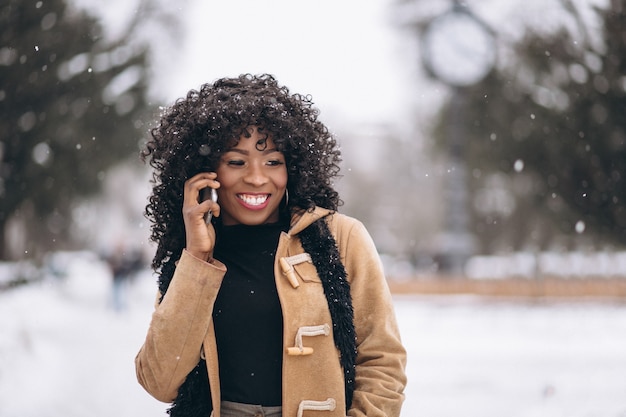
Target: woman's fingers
198,182
208,204
200,236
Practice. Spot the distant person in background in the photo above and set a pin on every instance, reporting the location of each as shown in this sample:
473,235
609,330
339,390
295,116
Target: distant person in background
124,263
270,302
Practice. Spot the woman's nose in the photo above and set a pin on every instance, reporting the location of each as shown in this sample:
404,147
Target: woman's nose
255,176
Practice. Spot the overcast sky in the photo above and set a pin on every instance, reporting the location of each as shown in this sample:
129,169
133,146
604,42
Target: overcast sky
344,53
350,55
341,52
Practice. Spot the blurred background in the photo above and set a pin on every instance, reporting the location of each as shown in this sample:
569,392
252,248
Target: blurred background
484,147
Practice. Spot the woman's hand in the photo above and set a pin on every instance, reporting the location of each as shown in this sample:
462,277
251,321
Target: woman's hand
200,237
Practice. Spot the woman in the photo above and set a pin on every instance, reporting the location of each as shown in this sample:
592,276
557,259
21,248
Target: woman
277,305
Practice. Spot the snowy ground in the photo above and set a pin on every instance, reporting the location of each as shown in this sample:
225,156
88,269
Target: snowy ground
65,352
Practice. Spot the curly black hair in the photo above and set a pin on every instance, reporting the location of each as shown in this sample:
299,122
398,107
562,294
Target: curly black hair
196,130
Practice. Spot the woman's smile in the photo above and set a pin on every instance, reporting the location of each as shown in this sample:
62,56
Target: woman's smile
254,201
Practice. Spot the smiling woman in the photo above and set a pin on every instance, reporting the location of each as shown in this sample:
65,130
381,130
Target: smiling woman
278,305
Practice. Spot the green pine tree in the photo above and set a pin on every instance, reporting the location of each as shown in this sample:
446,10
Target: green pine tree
554,125
71,106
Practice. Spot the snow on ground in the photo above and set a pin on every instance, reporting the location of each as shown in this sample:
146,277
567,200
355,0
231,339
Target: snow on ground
494,358
65,352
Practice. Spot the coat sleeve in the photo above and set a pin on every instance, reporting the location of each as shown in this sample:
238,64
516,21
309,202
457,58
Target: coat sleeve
381,357
179,323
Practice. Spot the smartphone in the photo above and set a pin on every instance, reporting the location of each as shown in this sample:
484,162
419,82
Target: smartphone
205,194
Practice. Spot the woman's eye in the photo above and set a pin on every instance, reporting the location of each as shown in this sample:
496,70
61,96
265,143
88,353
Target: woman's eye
235,162
275,162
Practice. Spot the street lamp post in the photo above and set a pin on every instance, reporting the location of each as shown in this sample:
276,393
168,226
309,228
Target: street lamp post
459,50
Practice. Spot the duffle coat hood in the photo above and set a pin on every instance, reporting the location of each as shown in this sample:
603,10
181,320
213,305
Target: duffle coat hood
181,329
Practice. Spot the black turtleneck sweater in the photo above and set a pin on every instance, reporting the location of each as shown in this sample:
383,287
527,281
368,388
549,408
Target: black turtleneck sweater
247,315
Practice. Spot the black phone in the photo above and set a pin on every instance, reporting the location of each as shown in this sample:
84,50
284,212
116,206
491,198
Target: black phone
205,194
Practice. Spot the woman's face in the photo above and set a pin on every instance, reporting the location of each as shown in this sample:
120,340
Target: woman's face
253,180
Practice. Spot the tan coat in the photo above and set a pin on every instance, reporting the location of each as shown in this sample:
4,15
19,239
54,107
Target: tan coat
182,328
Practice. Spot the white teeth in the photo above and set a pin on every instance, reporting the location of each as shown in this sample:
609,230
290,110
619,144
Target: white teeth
254,200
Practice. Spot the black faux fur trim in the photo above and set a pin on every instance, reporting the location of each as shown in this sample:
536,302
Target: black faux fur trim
194,396
320,244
